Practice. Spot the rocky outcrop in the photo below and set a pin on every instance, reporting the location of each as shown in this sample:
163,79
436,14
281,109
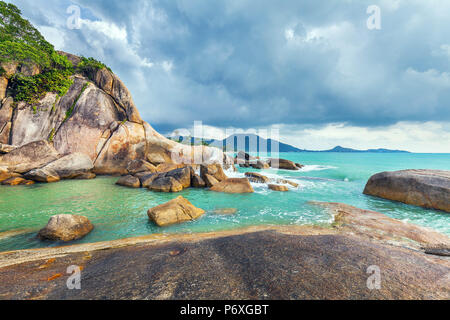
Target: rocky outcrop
275,263
209,180
16,181
43,175
276,187
197,182
138,166
129,181
256,177
375,225
424,188
6,148
175,211
66,227
165,184
98,118
233,185
30,156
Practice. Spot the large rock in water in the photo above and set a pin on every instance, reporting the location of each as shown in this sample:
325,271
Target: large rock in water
129,181
283,164
66,227
71,166
43,175
256,177
233,185
175,211
424,188
30,156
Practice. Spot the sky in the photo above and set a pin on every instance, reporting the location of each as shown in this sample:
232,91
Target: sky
313,70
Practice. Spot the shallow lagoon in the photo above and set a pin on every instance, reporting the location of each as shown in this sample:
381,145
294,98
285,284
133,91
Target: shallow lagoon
119,212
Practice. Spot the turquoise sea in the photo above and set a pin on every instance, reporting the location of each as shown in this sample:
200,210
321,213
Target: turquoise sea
119,212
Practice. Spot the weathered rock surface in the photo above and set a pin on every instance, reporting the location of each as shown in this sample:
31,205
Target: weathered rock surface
283,164
43,175
129,181
260,165
214,170
71,166
165,184
276,187
30,156
175,211
284,181
256,177
16,181
424,188
66,227
375,225
138,166
233,185
96,117
209,180
6,174
287,263
225,211
147,178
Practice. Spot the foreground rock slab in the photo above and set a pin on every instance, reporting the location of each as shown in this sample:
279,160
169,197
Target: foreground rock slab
425,188
255,263
66,227
175,211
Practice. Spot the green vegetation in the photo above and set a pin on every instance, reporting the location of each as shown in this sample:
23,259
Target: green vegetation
23,45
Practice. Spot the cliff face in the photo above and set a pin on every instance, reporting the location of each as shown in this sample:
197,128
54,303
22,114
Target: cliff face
96,117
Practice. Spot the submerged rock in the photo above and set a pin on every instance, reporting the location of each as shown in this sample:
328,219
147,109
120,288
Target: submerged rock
256,177
129,181
276,187
424,188
66,227
209,180
233,185
175,211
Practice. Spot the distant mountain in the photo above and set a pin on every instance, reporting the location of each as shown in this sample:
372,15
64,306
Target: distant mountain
254,143
342,149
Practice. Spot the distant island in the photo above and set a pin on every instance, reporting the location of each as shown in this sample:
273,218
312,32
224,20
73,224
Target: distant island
258,143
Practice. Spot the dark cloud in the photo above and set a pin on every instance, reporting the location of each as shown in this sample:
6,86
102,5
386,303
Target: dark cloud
254,63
